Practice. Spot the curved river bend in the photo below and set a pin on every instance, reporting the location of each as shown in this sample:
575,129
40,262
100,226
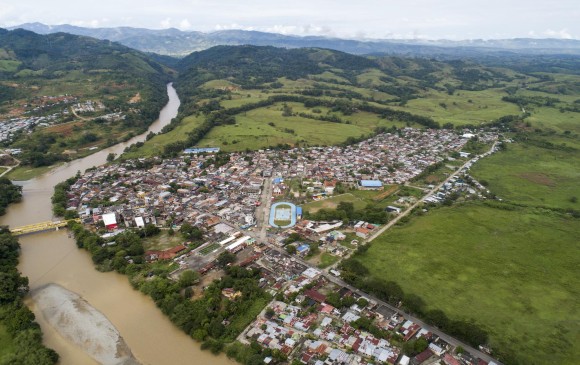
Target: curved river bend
53,258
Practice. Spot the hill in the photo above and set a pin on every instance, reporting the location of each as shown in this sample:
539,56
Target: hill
179,43
74,93
255,97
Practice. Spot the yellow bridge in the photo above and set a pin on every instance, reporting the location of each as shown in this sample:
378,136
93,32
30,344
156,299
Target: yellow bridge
39,227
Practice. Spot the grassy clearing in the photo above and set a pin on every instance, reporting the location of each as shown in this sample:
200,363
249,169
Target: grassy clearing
253,131
332,203
516,274
485,105
550,118
154,147
532,175
26,173
162,241
327,260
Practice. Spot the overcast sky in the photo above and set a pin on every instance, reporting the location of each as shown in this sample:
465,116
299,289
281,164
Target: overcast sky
432,19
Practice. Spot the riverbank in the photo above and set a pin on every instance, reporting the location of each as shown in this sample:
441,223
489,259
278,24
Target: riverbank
80,323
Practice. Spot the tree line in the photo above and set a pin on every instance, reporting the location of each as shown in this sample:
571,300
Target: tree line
356,274
18,320
212,319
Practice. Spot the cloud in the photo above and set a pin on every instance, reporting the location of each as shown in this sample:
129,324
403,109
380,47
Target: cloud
562,33
89,23
166,23
184,24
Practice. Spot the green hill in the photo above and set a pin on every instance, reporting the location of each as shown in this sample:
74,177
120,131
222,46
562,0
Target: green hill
246,97
35,69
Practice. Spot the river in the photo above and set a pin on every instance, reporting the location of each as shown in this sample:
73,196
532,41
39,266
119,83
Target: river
53,258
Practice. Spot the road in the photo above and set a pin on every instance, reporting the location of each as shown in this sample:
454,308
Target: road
261,236
422,200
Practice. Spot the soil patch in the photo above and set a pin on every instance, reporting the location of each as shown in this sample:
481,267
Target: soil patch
537,178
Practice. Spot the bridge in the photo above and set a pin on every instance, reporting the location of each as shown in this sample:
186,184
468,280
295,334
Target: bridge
39,227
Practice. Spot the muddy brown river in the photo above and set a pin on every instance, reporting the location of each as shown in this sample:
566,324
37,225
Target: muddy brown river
53,258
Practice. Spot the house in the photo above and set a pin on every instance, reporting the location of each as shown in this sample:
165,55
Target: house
362,232
329,186
405,360
450,360
303,249
110,221
315,295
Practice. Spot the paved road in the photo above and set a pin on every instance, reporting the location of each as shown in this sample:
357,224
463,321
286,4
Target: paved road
261,235
420,201
394,221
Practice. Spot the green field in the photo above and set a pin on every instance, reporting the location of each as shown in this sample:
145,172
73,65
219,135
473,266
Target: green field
154,147
332,203
532,175
23,173
162,241
209,249
327,260
253,131
463,107
516,273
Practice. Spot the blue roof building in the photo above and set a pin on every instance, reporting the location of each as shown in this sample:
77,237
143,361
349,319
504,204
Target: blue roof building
370,184
303,248
202,150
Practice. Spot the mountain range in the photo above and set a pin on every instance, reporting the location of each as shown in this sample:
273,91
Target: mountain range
174,42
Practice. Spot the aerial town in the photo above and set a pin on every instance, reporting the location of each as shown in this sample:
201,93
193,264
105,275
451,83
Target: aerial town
229,200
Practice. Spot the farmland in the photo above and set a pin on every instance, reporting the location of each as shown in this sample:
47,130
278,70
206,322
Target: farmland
532,175
514,272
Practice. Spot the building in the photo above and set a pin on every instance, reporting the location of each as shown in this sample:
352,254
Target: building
370,185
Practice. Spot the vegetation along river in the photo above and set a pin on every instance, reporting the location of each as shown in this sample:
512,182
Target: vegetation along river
53,258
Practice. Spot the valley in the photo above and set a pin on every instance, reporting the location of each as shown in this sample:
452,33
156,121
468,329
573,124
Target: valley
434,196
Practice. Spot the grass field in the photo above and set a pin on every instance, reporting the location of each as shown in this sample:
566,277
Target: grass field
516,273
154,147
253,131
209,249
327,259
332,203
532,175
464,107
550,118
27,172
162,241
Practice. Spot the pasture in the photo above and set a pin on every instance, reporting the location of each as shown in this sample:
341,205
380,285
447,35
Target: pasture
516,273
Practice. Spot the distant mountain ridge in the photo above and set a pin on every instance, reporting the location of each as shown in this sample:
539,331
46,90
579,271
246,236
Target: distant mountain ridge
175,42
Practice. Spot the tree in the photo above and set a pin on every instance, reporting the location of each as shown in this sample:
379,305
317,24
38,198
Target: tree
226,258
190,232
188,278
111,157
291,249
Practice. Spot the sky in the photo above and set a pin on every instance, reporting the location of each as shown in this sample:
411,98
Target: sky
355,19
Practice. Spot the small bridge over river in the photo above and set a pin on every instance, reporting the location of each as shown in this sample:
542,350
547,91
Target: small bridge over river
40,227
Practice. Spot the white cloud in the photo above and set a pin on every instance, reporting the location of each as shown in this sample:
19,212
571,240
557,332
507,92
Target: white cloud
562,33
166,23
184,24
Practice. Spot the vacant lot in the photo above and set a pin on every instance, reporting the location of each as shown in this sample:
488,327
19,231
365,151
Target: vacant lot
332,203
517,273
532,175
